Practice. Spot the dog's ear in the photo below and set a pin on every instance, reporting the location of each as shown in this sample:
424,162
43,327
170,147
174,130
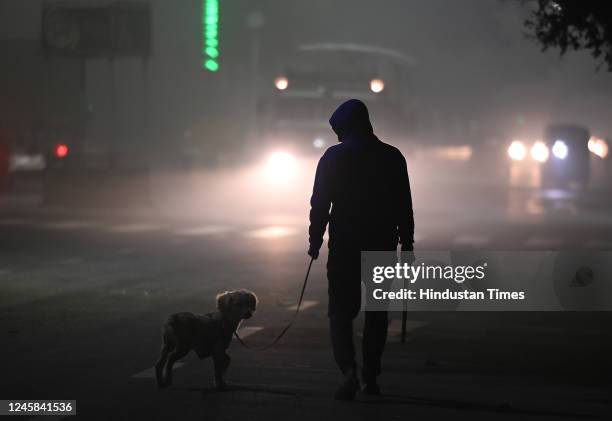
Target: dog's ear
253,298
224,301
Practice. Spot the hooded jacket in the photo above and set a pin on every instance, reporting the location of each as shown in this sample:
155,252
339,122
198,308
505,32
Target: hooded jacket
365,183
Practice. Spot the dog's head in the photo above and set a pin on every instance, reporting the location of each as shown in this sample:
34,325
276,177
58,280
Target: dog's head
237,305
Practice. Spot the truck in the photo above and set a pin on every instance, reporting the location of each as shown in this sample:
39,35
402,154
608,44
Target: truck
295,107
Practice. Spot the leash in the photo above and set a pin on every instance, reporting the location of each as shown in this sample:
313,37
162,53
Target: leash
282,333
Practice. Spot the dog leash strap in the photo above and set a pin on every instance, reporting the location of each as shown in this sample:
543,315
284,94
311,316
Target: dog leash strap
297,310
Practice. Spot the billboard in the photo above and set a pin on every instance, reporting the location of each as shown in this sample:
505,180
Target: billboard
74,30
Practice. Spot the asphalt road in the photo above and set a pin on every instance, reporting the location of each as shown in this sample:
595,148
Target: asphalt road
83,296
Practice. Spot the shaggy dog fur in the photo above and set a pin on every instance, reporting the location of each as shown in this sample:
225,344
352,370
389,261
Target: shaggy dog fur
208,334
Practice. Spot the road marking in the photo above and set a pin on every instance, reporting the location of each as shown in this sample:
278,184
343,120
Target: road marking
544,242
149,373
247,331
275,231
135,228
66,225
306,304
202,230
471,240
599,244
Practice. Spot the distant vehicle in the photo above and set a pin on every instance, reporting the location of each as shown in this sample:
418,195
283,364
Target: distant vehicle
562,156
41,108
29,164
569,161
294,111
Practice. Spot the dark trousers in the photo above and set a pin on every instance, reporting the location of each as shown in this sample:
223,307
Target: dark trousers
344,290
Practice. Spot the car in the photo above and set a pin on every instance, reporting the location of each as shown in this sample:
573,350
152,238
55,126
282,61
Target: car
560,158
295,109
569,162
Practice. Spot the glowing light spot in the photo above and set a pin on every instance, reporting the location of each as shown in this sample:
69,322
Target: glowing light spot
281,83
539,152
517,150
318,143
272,232
61,150
377,85
281,167
598,147
210,35
560,149
211,65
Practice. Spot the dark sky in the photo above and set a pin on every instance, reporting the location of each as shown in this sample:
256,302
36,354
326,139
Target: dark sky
473,60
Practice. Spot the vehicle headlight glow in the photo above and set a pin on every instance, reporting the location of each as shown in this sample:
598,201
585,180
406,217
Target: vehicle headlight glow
318,143
539,151
281,167
377,85
281,83
560,149
598,147
517,150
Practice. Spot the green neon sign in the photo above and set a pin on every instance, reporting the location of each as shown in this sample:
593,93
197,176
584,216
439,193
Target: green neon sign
210,35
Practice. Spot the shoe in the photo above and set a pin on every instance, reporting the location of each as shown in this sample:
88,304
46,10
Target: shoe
346,391
371,389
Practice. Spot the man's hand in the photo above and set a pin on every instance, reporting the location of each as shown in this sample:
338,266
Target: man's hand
314,253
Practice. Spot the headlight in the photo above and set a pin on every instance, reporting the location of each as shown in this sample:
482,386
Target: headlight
318,143
598,146
281,83
517,150
377,85
281,167
560,149
539,152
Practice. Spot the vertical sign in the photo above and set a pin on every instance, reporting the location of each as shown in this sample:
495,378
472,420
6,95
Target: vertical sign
210,35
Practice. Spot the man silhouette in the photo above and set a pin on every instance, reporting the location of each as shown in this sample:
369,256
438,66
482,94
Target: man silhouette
365,182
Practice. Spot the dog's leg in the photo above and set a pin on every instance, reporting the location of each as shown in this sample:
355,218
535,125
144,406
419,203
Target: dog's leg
159,365
174,356
222,362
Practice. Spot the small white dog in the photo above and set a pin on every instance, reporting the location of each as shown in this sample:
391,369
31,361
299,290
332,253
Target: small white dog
208,334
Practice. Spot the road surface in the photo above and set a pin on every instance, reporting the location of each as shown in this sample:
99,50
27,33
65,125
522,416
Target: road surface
83,295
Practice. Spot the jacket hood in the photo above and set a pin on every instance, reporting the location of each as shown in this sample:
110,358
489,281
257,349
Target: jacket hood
351,120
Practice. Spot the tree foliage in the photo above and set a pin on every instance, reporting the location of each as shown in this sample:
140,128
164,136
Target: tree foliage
574,25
